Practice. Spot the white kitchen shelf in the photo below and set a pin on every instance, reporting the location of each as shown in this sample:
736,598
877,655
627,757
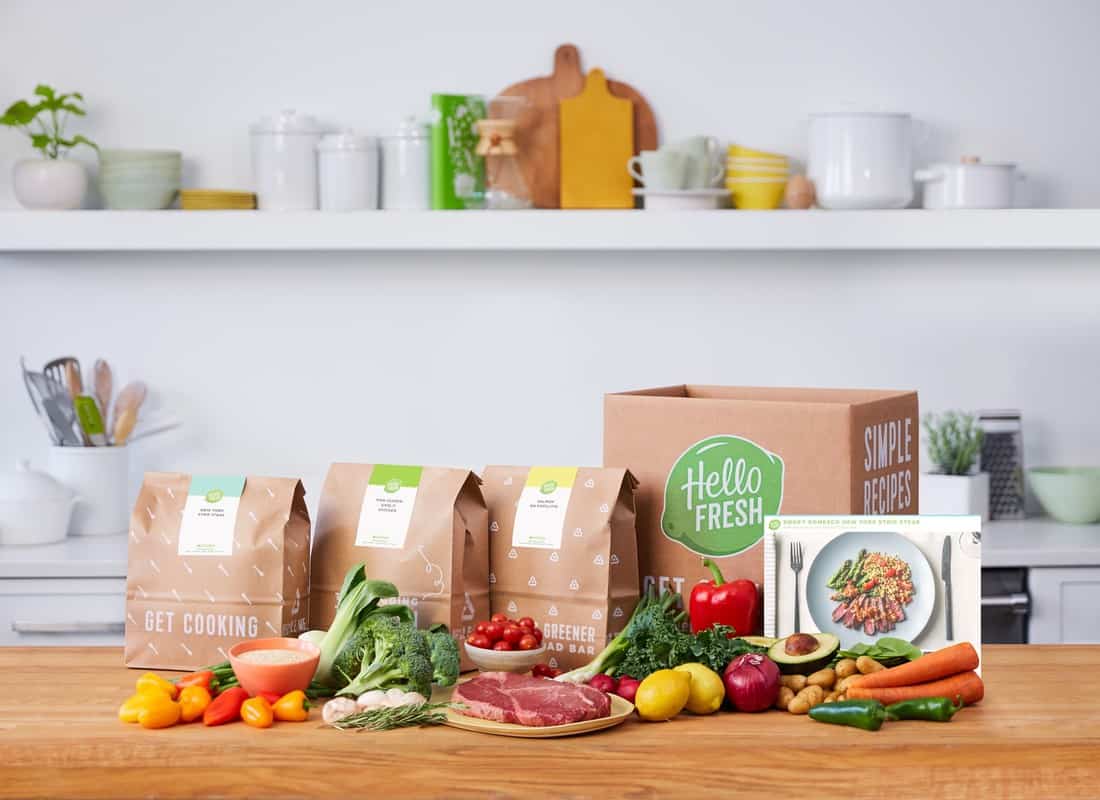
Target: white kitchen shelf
182,231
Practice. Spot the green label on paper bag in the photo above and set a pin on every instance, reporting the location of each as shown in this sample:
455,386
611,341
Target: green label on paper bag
718,493
210,515
388,503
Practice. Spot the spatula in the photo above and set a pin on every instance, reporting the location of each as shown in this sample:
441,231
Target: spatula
91,421
65,371
102,386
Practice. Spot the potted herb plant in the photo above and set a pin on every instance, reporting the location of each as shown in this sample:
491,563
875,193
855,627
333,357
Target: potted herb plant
954,443
52,181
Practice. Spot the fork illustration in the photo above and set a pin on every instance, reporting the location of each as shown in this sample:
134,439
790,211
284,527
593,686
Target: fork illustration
796,567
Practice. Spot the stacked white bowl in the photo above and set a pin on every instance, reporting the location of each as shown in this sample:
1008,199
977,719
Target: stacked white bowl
140,179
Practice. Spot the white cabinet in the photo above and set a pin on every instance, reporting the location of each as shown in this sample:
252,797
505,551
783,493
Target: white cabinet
1063,605
37,612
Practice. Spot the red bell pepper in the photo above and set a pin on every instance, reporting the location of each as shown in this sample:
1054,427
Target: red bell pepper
226,707
716,602
204,678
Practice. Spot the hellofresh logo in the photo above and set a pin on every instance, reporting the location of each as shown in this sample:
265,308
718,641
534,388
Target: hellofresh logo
549,487
718,493
392,485
214,496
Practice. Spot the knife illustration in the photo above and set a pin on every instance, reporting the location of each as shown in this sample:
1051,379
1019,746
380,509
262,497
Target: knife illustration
945,574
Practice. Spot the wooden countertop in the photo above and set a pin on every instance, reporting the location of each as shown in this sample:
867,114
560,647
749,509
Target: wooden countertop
1036,735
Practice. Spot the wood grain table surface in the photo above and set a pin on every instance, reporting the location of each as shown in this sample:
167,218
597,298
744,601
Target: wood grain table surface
1036,735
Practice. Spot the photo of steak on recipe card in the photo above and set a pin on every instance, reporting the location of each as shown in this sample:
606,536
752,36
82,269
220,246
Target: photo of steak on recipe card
424,529
564,552
213,560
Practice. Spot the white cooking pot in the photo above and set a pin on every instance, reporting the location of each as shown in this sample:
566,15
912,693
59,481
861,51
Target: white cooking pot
969,184
34,507
861,159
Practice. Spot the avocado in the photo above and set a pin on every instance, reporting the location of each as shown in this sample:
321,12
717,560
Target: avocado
759,641
804,653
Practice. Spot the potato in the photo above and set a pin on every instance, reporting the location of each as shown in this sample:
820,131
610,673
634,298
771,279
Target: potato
867,665
800,705
825,678
846,667
843,684
806,699
794,682
831,697
786,695
841,696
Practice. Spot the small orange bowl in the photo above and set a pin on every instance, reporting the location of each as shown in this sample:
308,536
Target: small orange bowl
277,678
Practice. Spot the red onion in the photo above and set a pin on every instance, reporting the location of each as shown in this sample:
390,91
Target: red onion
752,682
605,683
628,688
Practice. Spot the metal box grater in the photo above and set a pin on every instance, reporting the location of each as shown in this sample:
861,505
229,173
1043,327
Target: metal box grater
1003,459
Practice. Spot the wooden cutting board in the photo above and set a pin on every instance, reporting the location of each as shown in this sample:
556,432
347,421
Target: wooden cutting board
597,139
537,127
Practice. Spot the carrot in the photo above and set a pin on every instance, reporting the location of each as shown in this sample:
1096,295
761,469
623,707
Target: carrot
968,685
941,664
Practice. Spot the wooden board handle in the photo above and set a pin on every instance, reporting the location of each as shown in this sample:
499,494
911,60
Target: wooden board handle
567,61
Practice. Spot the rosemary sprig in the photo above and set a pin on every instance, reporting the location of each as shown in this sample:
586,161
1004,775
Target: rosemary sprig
384,719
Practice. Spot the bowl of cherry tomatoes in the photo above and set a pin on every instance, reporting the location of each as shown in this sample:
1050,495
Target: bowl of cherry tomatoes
501,644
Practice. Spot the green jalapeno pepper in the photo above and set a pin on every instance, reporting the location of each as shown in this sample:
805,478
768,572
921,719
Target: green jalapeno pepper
932,709
866,715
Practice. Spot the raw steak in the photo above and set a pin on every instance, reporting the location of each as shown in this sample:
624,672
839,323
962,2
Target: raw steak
526,700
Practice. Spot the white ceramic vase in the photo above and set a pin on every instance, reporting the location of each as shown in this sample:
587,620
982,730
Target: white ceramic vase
53,184
955,494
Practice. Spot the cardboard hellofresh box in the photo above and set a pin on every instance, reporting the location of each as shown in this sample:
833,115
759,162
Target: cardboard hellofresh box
859,579
713,462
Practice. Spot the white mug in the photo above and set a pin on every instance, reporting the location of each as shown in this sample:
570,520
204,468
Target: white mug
704,168
100,477
664,170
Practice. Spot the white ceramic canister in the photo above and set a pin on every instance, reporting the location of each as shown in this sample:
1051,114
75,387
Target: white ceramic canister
284,161
100,477
35,508
969,184
348,166
406,168
862,159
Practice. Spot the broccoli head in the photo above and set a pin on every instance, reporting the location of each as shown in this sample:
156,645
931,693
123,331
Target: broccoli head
444,655
395,655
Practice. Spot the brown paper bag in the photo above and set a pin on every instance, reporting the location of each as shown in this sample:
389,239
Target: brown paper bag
564,552
214,560
714,461
425,529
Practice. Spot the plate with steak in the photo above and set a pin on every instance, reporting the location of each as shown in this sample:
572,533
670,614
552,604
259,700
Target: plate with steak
508,704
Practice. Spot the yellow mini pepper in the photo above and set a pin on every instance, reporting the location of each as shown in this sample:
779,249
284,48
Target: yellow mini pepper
150,709
256,711
292,707
193,701
151,682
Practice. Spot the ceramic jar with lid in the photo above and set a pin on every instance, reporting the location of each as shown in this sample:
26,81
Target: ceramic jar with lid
348,168
861,159
406,168
284,161
35,508
971,183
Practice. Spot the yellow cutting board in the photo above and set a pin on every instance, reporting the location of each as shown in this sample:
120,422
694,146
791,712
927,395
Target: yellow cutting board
597,140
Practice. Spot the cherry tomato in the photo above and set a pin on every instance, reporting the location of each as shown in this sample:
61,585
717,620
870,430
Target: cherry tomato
528,642
481,626
470,638
480,640
537,633
513,633
494,630
501,618
540,670
526,622
503,645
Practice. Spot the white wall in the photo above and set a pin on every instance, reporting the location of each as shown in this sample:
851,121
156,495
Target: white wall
281,363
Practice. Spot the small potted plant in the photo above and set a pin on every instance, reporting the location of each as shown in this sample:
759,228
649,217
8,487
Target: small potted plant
53,181
954,443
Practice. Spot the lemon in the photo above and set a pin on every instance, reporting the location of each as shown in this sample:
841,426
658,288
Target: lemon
663,694
707,691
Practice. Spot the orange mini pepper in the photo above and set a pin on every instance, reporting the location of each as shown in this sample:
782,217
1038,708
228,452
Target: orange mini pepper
151,682
256,711
150,709
204,678
292,707
193,701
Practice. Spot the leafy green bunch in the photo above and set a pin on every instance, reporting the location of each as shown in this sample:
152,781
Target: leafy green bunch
44,121
954,441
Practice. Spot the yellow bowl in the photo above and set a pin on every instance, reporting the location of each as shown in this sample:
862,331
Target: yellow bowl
776,173
759,196
737,151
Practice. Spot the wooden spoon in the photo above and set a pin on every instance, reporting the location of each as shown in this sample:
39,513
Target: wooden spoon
124,426
131,397
103,385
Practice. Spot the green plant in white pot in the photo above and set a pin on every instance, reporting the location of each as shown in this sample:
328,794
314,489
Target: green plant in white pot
956,486
52,181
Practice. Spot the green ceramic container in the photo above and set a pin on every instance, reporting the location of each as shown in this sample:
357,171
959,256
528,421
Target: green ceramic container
1069,494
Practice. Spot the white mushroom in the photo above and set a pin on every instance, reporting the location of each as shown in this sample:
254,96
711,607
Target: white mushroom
337,708
368,701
